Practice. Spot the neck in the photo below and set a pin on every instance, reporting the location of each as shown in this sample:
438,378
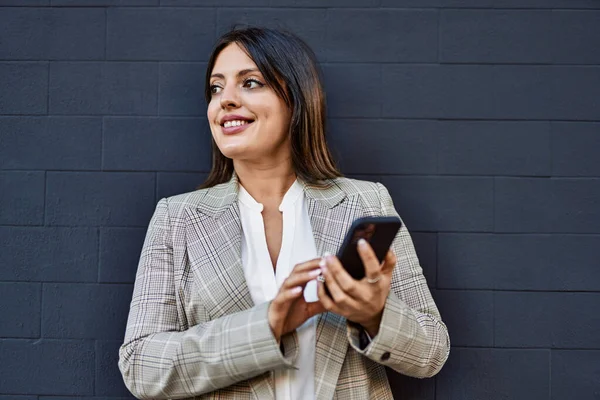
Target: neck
266,183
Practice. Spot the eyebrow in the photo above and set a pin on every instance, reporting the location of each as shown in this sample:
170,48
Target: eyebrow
240,73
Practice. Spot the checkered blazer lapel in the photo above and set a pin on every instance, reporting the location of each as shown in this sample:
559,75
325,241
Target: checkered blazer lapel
213,236
214,240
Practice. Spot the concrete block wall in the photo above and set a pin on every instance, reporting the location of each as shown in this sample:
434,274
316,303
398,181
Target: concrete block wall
481,117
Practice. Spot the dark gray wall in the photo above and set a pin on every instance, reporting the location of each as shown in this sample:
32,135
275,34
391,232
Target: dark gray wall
481,116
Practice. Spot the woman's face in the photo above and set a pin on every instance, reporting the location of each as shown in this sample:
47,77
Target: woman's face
247,119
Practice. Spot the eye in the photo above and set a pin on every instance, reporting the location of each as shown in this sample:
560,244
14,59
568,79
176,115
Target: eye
252,83
214,89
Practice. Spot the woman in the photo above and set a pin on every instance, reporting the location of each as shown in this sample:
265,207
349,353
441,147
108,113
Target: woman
225,303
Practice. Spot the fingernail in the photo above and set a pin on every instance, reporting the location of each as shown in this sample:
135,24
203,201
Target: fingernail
326,254
297,289
315,272
323,263
362,242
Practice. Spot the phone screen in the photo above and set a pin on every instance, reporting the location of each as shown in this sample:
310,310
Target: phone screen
378,231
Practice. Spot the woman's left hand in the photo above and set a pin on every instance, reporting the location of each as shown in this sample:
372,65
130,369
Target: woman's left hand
361,301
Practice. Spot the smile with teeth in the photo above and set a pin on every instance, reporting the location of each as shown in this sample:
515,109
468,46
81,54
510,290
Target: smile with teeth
229,124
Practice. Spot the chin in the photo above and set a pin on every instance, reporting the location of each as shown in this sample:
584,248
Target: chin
234,151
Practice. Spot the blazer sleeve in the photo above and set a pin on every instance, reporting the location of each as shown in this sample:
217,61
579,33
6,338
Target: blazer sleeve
412,338
159,361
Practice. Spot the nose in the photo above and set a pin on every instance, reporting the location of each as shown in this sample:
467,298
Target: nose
229,97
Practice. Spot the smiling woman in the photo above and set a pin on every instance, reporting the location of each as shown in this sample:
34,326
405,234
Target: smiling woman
263,117
277,80
230,299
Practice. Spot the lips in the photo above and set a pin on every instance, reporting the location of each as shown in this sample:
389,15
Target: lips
231,130
229,124
232,124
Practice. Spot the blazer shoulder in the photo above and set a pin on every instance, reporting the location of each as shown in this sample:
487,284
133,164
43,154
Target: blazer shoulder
358,187
177,203
369,192
213,198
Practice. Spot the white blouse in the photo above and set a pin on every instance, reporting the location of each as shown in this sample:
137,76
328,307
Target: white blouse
298,245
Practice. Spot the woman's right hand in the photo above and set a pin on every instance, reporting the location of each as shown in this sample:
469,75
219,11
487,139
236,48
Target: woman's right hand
288,310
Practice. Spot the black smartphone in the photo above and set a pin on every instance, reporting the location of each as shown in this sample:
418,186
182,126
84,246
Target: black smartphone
378,231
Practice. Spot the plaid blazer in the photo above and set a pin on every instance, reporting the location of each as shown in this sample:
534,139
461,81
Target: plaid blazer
194,332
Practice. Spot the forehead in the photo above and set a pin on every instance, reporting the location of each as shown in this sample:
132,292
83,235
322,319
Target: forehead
231,60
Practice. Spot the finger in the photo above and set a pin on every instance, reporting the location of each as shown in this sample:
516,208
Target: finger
339,296
306,265
284,298
325,300
342,277
301,278
369,259
388,263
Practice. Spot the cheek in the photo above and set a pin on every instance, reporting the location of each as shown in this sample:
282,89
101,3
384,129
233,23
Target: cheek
279,123
281,120
211,112
275,115
274,128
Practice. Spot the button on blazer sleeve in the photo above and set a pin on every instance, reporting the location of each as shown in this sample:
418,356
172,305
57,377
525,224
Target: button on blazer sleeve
412,338
158,360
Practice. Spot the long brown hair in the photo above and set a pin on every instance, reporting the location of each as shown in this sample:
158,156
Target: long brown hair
289,67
